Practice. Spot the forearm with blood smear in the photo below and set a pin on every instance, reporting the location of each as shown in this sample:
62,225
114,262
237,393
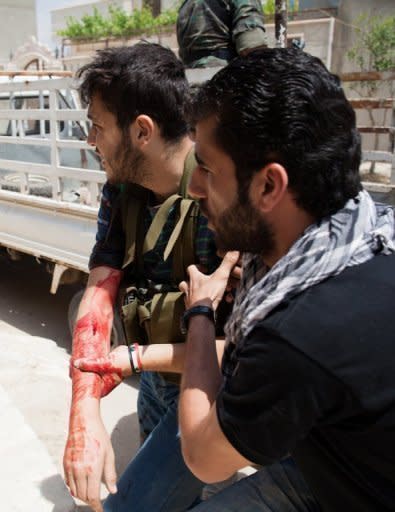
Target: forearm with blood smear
92,340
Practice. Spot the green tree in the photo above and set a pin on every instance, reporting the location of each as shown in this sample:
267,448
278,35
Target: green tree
118,23
373,50
269,6
374,46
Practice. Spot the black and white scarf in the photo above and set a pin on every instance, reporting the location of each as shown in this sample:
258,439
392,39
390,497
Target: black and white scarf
351,236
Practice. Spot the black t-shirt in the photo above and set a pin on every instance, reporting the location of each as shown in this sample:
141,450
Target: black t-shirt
316,379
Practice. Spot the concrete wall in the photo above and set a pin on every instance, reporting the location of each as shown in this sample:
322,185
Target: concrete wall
18,22
316,34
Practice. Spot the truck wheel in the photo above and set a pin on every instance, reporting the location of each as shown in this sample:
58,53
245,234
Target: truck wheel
117,333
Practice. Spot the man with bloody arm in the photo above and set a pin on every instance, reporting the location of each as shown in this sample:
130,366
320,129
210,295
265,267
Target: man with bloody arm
308,367
136,97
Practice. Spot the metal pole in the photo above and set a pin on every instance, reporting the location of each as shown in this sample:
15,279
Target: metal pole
280,20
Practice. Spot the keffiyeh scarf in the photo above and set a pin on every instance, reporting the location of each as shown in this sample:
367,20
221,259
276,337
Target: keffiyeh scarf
351,236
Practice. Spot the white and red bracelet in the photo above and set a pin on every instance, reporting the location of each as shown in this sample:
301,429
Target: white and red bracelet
134,357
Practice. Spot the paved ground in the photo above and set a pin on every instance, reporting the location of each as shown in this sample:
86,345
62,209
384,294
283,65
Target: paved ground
35,393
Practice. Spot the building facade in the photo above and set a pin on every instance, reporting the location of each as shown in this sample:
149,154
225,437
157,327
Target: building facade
18,22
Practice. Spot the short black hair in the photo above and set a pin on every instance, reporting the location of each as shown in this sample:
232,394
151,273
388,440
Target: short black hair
146,78
283,105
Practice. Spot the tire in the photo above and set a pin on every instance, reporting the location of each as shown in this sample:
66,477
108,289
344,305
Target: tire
117,332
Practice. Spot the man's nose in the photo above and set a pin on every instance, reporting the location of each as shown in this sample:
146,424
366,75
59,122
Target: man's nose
197,185
91,139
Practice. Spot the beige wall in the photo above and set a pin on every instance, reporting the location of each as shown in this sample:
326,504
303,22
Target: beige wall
316,34
18,23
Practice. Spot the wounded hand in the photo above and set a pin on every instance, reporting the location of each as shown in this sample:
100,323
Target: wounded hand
112,368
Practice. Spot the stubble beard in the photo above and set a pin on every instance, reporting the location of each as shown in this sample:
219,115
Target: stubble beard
128,164
242,228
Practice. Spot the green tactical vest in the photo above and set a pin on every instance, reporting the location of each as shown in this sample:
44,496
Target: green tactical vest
153,311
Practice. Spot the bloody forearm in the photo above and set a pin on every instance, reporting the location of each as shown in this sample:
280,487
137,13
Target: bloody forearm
92,334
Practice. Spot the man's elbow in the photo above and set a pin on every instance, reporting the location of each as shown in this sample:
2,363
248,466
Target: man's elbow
200,462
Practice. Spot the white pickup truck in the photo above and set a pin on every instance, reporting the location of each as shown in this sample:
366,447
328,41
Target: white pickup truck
50,180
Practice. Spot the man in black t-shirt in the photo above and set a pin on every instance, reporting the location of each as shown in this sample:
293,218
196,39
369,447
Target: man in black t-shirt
309,368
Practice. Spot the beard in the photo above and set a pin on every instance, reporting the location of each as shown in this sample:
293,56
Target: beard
241,227
128,165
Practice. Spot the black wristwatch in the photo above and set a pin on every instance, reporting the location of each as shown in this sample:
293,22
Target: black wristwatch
196,310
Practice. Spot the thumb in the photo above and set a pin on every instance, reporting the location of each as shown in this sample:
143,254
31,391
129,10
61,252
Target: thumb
109,474
100,366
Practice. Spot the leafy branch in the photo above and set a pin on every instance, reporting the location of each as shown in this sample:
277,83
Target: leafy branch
118,23
373,50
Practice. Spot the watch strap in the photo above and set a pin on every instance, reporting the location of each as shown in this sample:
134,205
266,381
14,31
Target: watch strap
193,311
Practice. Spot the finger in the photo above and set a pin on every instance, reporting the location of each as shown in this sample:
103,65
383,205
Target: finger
80,480
233,284
69,480
228,263
68,473
110,476
236,272
183,287
95,505
100,366
229,298
93,492
193,270
72,487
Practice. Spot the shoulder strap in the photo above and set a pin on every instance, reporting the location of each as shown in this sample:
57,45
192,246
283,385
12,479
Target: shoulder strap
182,240
158,223
189,167
133,200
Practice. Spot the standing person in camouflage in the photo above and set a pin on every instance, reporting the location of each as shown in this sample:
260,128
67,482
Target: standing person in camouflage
210,33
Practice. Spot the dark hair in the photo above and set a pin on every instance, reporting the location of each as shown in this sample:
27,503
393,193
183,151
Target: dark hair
142,79
283,105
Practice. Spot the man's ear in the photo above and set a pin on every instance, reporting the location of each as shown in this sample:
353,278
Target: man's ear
268,187
141,130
